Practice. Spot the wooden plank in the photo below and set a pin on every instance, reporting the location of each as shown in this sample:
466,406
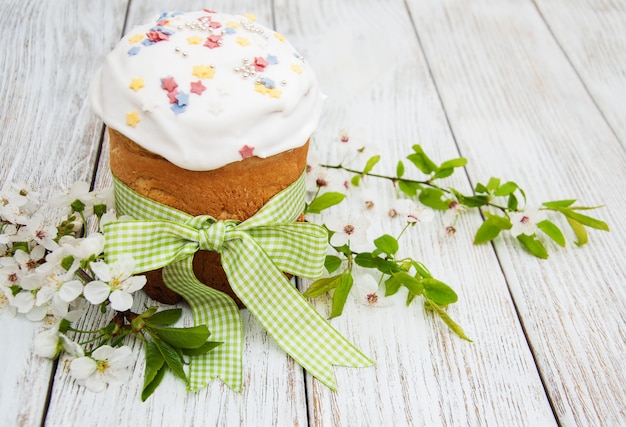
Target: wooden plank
591,32
49,139
377,80
274,388
518,110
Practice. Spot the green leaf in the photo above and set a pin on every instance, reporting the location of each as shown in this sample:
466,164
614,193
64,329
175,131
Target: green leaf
154,363
422,161
386,243
480,188
512,203
486,232
154,371
584,219
321,286
369,260
165,317
439,292
325,201
400,169
443,315
408,187
203,349
192,337
434,198
171,357
473,201
370,164
552,231
421,269
559,203
356,180
341,294
454,163
332,263
443,173
503,223
413,284
533,245
579,230
493,184
392,285
506,189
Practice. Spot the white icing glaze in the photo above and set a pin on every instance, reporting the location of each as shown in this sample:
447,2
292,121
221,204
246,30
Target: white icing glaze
230,119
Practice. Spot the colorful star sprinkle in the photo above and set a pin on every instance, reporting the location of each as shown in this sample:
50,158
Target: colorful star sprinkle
251,17
246,151
203,71
260,63
197,87
280,37
213,41
135,38
169,84
296,68
136,84
243,41
194,39
133,50
132,119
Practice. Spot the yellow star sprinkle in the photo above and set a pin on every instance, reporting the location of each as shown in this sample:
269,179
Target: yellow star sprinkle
280,37
203,71
250,17
261,88
194,39
274,93
232,24
296,68
243,41
136,84
136,38
132,118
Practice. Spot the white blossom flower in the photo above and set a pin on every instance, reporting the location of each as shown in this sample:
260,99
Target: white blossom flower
28,262
354,146
59,289
43,231
24,302
526,222
50,342
369,292
85,247
116,283
106,365
348,229
452,213
409,211
79,191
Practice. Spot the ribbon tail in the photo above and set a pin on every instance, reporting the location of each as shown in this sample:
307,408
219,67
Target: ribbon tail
282,310
220,314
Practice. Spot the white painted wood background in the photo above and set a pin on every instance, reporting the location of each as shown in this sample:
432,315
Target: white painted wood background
530,91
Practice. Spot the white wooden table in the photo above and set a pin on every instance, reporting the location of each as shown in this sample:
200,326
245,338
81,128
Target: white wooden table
527,90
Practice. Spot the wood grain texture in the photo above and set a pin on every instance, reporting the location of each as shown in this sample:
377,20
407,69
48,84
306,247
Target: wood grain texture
591,32
49,139
379,87
518,110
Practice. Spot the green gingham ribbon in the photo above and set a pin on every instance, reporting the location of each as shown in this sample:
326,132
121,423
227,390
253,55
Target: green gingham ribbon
254,255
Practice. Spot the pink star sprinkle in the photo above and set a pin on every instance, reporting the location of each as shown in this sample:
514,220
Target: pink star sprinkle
197,87
169,84
214,24
172,96
157,36
260,63
213,41
246,152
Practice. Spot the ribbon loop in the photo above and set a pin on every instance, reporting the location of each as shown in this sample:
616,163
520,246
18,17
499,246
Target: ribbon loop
254,254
